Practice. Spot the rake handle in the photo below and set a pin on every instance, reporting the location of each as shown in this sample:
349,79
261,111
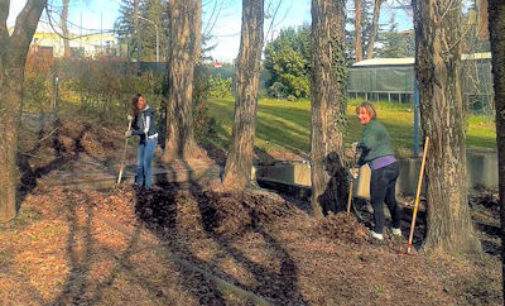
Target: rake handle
418,193
349,199
123,159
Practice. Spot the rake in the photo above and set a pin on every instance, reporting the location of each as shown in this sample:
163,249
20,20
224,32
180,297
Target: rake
418,193
123,159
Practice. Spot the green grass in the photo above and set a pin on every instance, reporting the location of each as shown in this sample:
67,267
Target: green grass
285,126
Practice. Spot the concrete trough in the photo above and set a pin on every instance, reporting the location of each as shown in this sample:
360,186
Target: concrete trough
482,172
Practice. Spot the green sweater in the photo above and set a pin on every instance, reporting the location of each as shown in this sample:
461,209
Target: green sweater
375,142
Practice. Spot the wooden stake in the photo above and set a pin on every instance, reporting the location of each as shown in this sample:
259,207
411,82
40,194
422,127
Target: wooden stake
418,193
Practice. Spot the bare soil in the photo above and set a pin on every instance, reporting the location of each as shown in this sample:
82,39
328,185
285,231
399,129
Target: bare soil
194,246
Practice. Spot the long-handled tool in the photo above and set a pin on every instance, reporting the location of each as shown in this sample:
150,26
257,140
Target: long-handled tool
349,199
123,160
416,205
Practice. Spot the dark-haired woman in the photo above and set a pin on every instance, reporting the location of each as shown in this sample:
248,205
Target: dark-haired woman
143,126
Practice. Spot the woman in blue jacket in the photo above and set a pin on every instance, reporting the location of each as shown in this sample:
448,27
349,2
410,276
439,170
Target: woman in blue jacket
143,126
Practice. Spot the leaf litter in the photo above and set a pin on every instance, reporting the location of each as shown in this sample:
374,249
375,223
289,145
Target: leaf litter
194,246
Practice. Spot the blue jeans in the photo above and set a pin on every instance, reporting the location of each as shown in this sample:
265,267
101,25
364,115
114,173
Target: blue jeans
145,153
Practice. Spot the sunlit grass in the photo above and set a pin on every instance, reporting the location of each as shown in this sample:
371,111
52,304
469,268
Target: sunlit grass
285,126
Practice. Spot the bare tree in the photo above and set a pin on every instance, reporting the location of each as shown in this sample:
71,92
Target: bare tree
375,28
237,172
496,13
13,52
328,79
185,44
64,28
437,25
483,26
357,27
136,4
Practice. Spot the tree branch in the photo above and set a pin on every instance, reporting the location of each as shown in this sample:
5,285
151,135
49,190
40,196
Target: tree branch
4,32
26,24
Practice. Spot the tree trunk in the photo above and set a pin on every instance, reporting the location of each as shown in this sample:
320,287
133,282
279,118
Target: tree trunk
328,103
185,44
237,172
437,26
136,17
483,26
13,53
496,11
375,28
136,32
64,28
357,27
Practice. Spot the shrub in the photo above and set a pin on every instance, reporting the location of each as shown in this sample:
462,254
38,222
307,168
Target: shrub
204,126
219,87
38,82
277,90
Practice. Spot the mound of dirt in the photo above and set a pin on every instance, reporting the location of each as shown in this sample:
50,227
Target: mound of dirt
343,228
223,214
76,136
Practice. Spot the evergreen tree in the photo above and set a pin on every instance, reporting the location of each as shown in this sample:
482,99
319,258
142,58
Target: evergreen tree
137,31
396,44
288,59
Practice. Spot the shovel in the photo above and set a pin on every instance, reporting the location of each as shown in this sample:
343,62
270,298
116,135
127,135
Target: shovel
123,160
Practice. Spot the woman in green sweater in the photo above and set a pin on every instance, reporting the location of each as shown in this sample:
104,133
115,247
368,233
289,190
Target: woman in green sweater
377,152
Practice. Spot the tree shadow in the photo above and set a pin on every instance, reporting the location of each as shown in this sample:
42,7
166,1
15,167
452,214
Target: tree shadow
278,286
159,213
157,209
271,284
77,281
78,287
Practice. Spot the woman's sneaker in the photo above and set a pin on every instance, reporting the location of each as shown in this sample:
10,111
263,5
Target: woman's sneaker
377,235
396,231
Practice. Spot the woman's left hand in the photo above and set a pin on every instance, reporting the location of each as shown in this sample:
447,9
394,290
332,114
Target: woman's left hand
354,172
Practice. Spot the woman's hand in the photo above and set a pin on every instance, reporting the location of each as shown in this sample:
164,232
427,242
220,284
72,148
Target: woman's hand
351,153
354,172
354,147
128,134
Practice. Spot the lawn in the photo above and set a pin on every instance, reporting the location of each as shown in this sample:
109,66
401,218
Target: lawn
285,126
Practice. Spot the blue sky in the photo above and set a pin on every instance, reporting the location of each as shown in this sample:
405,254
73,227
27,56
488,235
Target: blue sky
93,11
225,29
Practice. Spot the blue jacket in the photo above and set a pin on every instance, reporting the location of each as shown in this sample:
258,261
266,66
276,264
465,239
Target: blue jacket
144,125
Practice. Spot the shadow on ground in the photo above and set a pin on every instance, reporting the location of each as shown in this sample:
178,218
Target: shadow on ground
178,234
